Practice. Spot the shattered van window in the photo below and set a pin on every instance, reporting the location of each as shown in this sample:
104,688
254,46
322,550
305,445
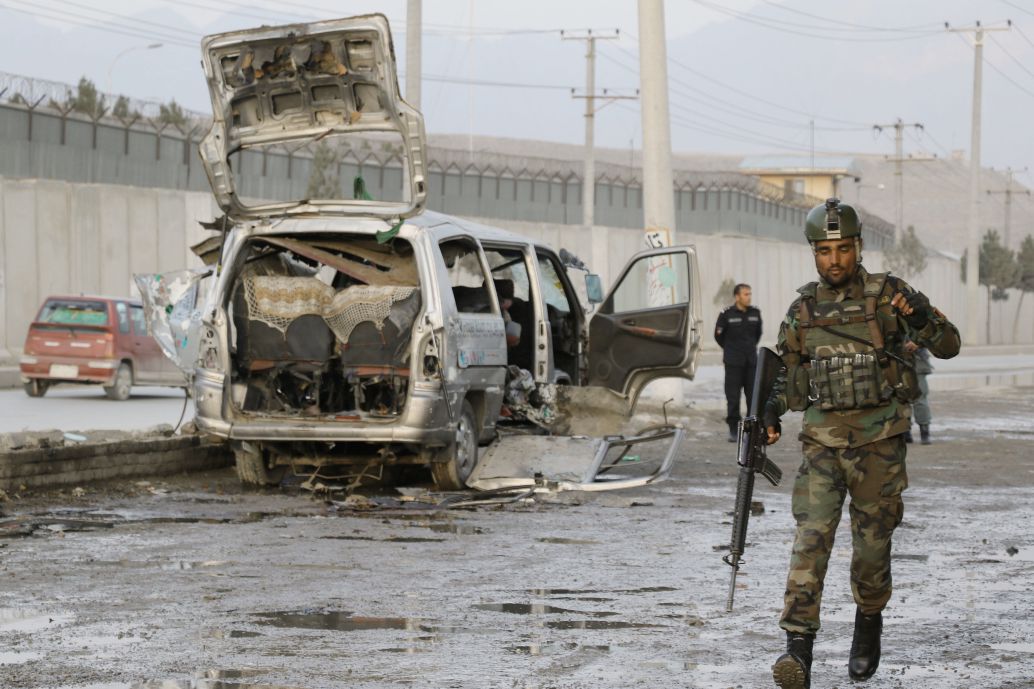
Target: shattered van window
305,346
69,312
467,276
321,168
654,281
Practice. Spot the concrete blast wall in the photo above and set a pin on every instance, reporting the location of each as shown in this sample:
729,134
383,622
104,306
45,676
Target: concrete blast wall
61,237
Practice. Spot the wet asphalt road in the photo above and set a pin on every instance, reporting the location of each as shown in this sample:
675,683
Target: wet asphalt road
84,407
192,583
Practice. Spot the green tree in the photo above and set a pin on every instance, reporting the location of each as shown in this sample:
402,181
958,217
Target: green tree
172,113
87,99
998,267
121,109
907,258
1025,282
325,179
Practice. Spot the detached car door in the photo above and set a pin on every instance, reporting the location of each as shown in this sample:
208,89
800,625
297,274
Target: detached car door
648,326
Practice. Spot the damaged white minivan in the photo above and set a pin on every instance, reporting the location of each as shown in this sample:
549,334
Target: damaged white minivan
335,336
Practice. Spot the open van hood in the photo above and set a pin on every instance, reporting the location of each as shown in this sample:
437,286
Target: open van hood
298,84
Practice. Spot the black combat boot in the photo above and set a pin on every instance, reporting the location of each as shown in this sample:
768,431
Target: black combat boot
865,648
924,434
734,431
792,670
908,436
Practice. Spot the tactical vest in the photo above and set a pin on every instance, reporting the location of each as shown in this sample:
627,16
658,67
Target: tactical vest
845,362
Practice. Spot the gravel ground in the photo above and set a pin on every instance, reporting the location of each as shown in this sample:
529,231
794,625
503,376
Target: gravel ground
193,583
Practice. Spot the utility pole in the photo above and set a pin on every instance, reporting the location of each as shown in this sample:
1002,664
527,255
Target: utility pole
973,237
414,39
658,183
1008,191
589,174
899,179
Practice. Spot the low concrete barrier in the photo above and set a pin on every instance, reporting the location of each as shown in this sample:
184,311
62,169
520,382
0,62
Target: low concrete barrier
73,464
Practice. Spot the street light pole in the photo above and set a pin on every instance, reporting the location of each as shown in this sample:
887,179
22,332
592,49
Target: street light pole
152,46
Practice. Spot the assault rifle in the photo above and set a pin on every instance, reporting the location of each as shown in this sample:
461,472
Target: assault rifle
750,455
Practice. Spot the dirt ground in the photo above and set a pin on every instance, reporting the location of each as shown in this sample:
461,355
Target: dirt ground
192,583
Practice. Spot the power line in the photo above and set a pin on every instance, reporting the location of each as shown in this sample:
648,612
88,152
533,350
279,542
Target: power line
1018,7
741,138
917,27
1025,37
760,136
1003,74
132,32
774,24
250,12
752,96
733,109
1010,55
503,84
164,27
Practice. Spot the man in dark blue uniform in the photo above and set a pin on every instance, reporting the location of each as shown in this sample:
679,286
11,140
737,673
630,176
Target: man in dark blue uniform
738,332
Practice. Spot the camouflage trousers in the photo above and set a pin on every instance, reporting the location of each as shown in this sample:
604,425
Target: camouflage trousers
874,475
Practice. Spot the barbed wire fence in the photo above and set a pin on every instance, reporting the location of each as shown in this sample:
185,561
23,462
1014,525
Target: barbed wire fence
171,120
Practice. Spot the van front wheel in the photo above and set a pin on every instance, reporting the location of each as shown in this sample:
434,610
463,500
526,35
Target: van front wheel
252,469
457,461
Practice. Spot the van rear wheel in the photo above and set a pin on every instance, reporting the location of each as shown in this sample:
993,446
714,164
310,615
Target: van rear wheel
36,387
251,462
457,461
122,385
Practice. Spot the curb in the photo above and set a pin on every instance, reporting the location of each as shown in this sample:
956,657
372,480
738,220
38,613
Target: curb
50,467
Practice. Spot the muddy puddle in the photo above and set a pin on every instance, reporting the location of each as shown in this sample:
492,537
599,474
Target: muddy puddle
549,649
579,592
211,679
389,539
336,620
28,620
536,609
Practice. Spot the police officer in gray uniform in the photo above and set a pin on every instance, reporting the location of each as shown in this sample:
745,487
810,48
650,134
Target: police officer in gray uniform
738,332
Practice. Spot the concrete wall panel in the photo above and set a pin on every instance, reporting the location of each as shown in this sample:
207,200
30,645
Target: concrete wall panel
20,259
53,238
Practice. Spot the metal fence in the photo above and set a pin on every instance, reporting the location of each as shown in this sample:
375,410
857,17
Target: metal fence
43,135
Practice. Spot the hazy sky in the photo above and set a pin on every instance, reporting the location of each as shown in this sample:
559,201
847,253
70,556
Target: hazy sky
746,76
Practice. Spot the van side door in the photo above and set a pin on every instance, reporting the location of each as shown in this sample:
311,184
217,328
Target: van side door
649,325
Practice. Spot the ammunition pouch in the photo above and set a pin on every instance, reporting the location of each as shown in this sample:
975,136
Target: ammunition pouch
849,381
797,387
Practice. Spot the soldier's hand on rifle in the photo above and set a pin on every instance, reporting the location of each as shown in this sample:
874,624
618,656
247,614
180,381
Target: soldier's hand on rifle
772,425
915,308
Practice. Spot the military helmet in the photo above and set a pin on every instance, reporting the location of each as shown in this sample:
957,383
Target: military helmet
832,220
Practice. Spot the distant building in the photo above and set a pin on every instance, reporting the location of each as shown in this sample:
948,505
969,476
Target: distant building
801,176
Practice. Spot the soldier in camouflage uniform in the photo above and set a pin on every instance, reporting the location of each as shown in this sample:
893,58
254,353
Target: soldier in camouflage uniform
847,369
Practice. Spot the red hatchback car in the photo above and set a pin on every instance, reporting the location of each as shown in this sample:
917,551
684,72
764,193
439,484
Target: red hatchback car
93,340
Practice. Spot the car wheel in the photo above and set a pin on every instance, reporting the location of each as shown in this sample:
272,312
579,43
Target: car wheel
123,384
252,468
36,387
456,462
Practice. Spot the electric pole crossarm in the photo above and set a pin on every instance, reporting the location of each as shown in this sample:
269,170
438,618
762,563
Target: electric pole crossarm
899,178
589,175
1008,193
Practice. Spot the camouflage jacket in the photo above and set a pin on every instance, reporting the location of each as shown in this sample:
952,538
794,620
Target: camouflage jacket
857,427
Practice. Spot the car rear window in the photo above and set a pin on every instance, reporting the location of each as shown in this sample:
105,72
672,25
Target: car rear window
74,312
